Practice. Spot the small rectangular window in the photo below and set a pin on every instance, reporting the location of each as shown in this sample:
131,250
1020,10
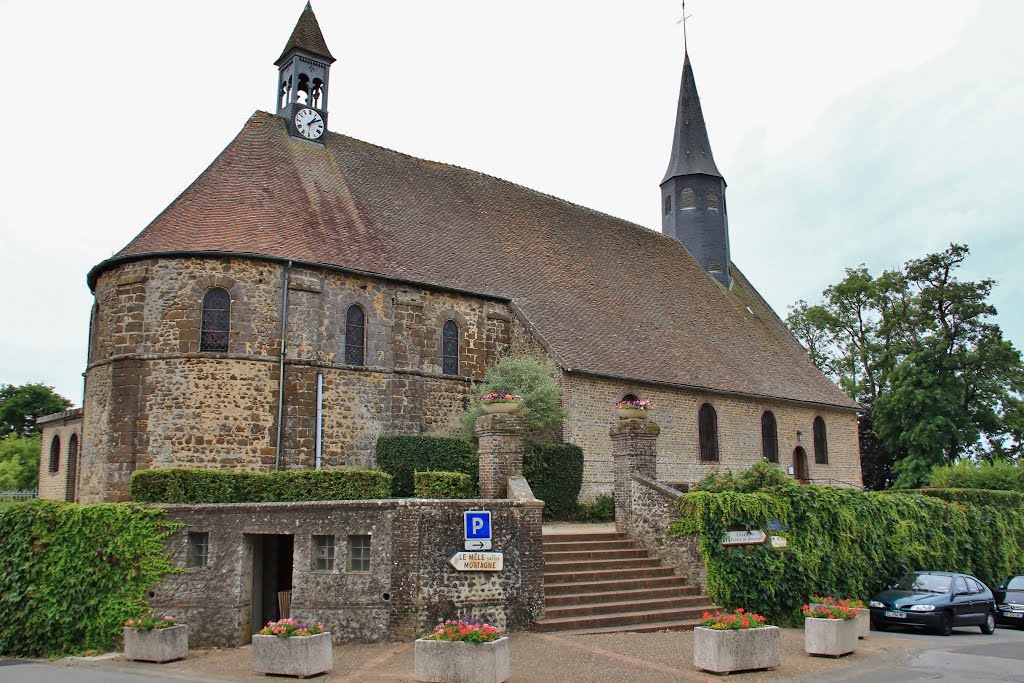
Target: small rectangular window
359,553
668,204
198,548
323,553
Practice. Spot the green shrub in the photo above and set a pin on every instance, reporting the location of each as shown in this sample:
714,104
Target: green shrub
72,574
195,486
967,474
846,542
555,473
444,485
402,455
601,510
530,379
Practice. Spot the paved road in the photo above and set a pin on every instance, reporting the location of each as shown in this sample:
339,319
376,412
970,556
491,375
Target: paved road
967,657
18,671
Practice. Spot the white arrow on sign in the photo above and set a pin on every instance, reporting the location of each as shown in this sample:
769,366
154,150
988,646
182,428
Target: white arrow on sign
478,562
478,545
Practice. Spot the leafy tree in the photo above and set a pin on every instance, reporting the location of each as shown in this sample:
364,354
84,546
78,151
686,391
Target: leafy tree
917,348
530,379
19,462
21,405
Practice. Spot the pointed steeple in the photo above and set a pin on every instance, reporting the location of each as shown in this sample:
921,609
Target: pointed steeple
691,150
307,37
693,191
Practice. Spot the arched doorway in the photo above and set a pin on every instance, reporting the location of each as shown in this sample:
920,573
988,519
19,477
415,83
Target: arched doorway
800,465
72,467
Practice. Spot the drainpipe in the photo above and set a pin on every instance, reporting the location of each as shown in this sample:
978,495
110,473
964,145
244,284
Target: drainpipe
319,418
284,341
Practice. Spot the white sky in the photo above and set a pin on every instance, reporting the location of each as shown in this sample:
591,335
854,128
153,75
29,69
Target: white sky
871,131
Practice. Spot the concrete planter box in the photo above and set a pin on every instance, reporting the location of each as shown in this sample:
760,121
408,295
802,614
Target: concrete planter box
507,408
830,637
455,662
158,645
301,656
741,650
863,619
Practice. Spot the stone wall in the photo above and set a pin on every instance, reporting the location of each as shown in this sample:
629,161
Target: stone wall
153,399
589,401
653,511
410,584
57,476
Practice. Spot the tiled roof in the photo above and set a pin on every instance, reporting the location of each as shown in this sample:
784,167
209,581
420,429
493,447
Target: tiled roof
307,36
607,296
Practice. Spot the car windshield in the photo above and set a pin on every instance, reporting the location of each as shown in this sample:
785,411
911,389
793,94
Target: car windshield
929,583
1016,583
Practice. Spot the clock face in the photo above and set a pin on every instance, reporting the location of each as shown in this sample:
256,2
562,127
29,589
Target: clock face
309,123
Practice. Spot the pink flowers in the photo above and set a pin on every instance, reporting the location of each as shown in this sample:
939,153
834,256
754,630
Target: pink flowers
149,621
466,630
638,404
288,628
500,397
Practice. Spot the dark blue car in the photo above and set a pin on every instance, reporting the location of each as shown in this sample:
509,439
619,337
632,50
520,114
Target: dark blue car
1010,602
936,601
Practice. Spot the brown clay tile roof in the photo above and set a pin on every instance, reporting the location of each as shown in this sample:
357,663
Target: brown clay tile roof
607,296
307,36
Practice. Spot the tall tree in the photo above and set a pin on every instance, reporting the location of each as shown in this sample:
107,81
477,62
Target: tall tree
21,405
917,348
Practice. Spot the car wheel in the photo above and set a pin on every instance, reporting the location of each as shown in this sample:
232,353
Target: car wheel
879,625
989,627
946,629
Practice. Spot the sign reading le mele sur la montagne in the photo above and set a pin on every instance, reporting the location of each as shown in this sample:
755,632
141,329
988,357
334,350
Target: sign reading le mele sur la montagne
478,562
751,537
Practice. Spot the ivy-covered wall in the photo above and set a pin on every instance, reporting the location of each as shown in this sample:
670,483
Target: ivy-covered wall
844,542
70,575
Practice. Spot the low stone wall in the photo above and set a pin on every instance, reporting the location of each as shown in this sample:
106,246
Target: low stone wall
409,586
653,510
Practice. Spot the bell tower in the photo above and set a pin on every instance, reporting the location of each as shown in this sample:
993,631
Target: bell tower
302,82
693,191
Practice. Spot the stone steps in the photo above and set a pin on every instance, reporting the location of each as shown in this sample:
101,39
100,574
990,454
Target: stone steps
602,582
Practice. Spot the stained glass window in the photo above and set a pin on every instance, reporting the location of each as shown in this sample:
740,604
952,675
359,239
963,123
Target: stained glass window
450,348
216,320
355,339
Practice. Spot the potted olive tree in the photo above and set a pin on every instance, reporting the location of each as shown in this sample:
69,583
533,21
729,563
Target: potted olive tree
735,641
152,638
288,648
466,650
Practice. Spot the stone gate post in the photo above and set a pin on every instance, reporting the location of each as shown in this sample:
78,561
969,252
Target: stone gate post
501,452
634,449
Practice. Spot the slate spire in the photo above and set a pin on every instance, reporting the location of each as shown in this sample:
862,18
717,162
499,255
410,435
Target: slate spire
691,150
308,37
693,191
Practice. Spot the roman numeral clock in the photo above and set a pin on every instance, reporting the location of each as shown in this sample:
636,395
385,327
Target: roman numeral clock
303,74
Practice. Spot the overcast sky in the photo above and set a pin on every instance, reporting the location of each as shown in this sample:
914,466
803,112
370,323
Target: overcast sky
870,131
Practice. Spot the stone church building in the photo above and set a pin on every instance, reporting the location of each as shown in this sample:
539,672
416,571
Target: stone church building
309,292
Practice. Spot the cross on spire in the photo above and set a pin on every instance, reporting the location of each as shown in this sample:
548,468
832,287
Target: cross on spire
683,22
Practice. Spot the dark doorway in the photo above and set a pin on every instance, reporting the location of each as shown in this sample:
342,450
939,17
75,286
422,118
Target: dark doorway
271,577
800,465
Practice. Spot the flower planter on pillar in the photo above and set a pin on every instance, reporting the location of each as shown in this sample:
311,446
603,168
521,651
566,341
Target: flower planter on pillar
459,662
502,408
631,413
301,656
830,637
156,645
744,649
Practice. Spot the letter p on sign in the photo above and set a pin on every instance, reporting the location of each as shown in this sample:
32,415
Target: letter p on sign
478,525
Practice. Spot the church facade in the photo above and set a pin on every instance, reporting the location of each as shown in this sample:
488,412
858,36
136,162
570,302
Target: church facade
310,292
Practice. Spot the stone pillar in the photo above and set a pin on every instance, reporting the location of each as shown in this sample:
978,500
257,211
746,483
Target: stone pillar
634,450
501,452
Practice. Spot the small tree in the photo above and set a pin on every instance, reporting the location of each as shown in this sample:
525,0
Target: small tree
530,379
19,463
21,405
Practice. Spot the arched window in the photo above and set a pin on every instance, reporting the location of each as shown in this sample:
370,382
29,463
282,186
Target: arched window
630,397
820,442
355,337
216,320
55,454
712,198
688,199
769,437
450,348
707,425
69,488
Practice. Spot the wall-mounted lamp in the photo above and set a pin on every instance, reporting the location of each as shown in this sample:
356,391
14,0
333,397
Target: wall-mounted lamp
799,437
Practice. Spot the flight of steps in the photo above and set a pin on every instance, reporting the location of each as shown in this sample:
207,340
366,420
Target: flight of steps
604,583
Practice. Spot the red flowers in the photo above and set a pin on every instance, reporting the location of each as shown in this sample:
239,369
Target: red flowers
466,630
734,621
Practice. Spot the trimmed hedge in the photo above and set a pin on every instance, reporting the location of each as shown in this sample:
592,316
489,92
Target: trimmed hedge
403,455
192,485
444,485
555,473
70,575
843,542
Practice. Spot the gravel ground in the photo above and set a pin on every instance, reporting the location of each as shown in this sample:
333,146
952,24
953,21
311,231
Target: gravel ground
536,658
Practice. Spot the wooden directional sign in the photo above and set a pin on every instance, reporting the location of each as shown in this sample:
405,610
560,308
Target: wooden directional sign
753,537
478,562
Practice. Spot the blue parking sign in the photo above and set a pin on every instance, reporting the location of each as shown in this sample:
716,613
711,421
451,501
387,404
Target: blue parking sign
478,525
